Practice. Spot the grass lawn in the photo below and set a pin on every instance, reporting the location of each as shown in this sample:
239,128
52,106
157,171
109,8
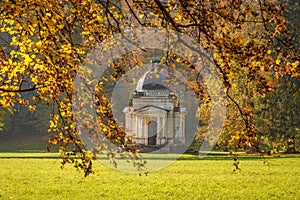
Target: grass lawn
34,177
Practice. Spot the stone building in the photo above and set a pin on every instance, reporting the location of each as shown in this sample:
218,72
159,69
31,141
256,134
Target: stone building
154,116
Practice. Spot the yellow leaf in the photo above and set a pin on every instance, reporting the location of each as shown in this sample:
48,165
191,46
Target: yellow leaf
85,32
295,64
39,43
10,21
27,59
61,26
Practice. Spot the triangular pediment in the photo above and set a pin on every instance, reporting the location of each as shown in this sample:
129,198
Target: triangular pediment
151,109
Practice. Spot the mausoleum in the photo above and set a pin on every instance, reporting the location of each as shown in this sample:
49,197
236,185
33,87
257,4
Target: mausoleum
154,115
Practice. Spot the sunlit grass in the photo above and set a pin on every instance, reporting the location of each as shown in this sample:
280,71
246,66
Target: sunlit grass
187,178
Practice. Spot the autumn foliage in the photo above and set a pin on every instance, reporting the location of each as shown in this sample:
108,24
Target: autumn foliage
47,42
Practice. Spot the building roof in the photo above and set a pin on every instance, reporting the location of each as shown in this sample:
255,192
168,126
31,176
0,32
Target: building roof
154,86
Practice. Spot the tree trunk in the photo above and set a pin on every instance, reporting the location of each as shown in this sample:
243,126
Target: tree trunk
291,145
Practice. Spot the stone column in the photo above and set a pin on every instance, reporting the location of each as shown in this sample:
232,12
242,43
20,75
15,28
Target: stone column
183,128
136,126
179,137
164,127
164,131
139,126
158,131
146,133
143,127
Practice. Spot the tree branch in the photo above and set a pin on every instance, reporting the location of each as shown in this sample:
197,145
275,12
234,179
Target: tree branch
167,14
19,90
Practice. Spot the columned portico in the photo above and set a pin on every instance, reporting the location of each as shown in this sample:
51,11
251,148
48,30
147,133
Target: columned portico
143,117
169,120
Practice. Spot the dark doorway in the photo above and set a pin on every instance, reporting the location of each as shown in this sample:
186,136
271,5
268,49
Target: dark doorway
152,132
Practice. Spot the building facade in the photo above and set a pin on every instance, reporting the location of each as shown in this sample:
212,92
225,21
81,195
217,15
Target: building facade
154,116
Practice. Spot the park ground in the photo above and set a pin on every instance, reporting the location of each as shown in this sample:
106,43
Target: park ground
39,176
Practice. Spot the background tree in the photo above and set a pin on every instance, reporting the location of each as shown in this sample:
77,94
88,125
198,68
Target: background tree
4,119
278,116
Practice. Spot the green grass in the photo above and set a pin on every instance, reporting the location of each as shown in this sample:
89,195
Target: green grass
26,176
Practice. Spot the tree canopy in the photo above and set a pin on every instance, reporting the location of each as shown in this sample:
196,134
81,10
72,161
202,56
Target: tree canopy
46,42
